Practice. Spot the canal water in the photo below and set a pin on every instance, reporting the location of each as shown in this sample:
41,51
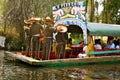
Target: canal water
16,70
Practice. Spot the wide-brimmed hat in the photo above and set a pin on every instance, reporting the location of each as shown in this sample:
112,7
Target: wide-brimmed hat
27,22
61,28
48,20
33,19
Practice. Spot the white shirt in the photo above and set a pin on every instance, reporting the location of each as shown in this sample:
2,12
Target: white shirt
80,55
117,47
84,49
97,46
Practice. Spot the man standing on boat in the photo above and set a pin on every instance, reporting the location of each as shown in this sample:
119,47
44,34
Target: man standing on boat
27,36
48,38
61,39
35,32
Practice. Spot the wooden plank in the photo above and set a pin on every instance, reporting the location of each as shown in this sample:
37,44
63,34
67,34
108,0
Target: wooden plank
64,62
21,57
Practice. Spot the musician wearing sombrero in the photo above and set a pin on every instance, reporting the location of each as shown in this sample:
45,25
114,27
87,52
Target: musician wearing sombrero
27,36
35,31
61,39
48,38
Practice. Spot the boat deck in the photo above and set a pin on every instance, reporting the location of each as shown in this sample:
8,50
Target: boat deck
64,62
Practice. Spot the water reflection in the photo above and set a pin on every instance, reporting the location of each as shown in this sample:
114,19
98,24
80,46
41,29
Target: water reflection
19,71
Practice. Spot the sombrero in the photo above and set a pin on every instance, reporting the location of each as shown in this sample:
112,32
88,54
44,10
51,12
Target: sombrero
27,22
61,28
48,20
35,19
30,21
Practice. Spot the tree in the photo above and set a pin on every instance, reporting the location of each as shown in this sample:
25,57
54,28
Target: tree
15,12
109,14
96,10
90,10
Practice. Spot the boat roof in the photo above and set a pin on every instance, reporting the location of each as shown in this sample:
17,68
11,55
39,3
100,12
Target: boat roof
101,29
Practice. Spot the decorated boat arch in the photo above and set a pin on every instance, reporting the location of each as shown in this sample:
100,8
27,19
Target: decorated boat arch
72,13
73,21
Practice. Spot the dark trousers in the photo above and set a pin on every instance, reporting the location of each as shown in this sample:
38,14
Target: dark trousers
47,44
28,45
60,50
35,46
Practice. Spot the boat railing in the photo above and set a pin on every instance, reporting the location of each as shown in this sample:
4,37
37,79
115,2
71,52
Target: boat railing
104,53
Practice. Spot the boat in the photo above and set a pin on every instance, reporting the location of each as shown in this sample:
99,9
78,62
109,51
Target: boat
86,28
103,57
69,62
106,56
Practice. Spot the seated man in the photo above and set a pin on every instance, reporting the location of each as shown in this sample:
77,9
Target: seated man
110,44
97,45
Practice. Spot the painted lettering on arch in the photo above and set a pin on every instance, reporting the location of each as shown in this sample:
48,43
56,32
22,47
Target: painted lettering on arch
70,10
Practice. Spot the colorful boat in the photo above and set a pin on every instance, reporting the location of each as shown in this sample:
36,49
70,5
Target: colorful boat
69,62
106,56
76,23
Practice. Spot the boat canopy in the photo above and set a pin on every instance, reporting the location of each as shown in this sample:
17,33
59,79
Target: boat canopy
100,29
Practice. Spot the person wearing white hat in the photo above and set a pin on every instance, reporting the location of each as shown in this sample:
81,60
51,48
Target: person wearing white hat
35,31
27,36
48,38
61,39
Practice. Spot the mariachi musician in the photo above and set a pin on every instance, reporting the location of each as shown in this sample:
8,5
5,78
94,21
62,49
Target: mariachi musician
33,42
27,36
48,38
35,32
61,39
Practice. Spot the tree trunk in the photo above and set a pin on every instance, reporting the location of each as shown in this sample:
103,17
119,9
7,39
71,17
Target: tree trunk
92,11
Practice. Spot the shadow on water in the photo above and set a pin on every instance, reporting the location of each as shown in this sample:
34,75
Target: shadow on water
21,71
10,70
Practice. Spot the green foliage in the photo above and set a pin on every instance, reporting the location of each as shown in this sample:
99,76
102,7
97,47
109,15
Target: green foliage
103,43
13,39
110,11
1,6
16,11
76,38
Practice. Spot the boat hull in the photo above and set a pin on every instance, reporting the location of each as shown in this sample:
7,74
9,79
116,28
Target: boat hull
64,62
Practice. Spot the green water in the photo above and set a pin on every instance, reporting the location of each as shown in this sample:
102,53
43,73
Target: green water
18,71
10,70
